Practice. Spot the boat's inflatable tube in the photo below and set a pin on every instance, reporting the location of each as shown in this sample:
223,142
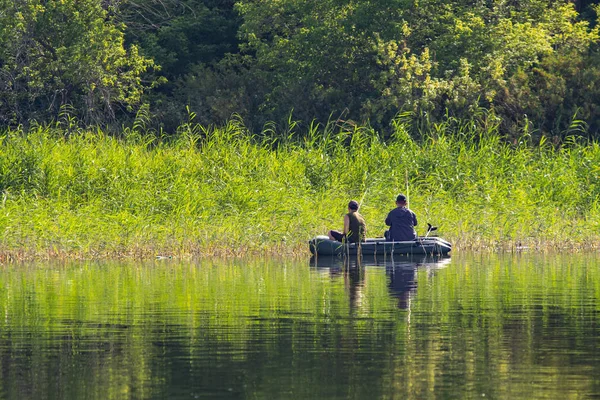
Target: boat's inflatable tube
322,245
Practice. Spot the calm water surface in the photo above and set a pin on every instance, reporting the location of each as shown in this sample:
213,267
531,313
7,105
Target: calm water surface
516,327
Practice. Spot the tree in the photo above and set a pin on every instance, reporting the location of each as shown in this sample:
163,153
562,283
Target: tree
179,34
54,53
191,40
432,57
320,56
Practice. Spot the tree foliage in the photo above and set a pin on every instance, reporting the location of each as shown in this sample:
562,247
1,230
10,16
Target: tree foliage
54,53
179,34
525,61
432,58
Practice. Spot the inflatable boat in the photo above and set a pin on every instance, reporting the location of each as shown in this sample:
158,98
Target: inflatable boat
322,245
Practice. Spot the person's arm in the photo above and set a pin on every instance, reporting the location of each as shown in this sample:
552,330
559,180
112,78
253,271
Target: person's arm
388,220
346,224
414,219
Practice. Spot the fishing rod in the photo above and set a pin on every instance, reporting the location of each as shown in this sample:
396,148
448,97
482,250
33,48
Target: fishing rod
362,198
366,190
408,206
407,193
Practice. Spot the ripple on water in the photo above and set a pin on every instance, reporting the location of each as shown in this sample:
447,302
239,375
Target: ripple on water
471,326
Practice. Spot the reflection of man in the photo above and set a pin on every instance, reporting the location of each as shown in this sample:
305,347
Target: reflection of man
354,280
351,271
402,283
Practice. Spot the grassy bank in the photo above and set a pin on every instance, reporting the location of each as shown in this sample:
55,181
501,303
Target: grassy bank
83,193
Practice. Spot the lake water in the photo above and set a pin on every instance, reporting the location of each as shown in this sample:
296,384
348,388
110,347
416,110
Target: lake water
471,326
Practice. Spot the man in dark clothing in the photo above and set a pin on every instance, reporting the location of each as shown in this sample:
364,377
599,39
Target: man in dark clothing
401,221
355,229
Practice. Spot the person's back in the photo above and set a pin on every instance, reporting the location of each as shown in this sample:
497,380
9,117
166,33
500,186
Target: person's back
357,231
355,228
401,221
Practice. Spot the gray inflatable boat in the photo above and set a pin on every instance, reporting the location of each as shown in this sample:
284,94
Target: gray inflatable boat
322,245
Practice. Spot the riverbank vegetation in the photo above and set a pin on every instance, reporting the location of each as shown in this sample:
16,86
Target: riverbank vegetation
121,128
78,192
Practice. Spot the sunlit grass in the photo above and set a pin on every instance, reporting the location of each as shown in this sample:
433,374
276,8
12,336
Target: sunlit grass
81,193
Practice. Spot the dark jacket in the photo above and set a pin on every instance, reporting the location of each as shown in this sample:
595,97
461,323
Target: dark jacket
402,224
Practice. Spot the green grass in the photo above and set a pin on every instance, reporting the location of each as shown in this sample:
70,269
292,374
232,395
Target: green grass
71,192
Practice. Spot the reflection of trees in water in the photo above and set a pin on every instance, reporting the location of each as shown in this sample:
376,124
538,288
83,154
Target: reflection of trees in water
262,331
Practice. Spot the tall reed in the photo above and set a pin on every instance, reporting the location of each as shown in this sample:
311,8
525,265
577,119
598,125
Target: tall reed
83,193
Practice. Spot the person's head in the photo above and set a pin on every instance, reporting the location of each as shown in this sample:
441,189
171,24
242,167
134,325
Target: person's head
353,205
401,200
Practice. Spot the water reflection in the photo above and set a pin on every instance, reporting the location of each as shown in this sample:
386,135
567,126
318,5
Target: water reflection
402,283
401,272
495,327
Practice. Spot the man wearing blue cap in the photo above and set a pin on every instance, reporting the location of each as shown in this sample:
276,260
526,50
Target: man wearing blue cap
402,222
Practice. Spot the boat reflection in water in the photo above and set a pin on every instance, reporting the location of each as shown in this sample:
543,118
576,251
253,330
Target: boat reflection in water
401,273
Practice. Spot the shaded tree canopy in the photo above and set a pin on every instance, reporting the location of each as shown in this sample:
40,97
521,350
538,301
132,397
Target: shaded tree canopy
526,61
432,58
